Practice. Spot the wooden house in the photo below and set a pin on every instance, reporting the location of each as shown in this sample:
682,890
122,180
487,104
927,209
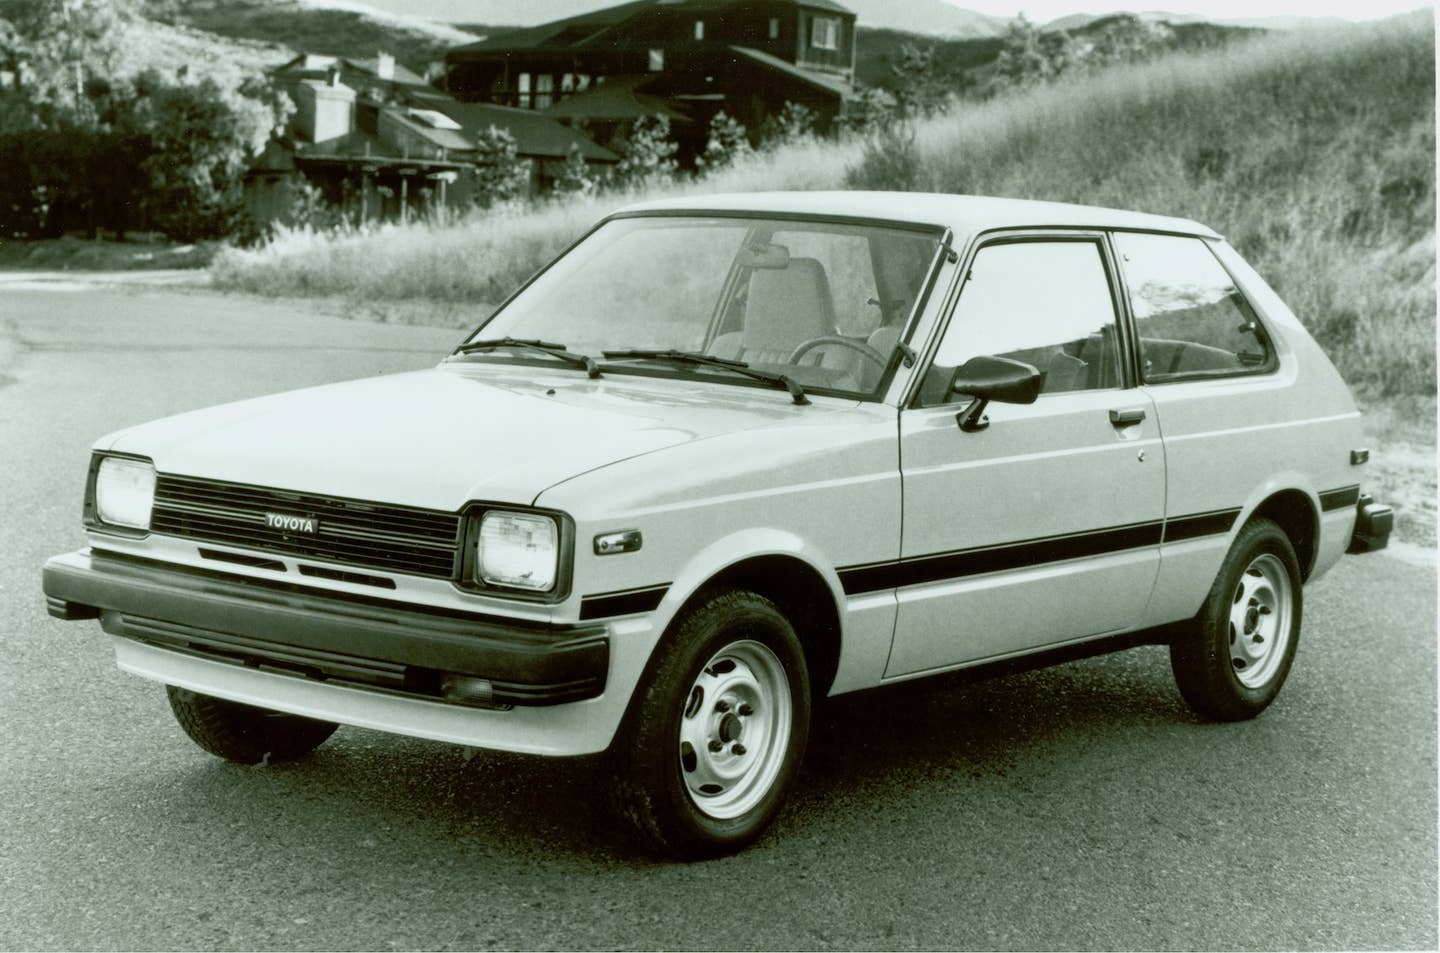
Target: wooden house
684,59
382,143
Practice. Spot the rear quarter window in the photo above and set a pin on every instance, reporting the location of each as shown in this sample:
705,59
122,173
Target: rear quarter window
1190,318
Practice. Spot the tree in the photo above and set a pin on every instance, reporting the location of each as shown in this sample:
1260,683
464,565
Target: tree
919,91
649,155
1029,55
57,49
889,158
1127,38
200,139
502,176
308,208
795,123
57,62
81,145
728,141
576,177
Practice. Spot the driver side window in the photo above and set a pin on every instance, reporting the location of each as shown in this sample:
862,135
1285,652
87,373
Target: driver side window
1046,303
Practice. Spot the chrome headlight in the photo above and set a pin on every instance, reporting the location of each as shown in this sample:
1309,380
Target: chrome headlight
125,492
518,551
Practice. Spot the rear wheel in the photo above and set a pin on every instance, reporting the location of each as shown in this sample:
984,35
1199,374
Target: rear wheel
1231,662
243,733
717,731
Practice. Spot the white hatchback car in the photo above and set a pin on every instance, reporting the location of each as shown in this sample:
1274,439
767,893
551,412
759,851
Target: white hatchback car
729,454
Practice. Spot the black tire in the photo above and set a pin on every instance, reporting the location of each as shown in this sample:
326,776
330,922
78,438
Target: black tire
243,733
654,767
1221,663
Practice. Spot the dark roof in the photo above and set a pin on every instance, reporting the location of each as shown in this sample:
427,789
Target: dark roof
824,81
618,97
315,65
593,29
536,135
451,139
357,148
402,75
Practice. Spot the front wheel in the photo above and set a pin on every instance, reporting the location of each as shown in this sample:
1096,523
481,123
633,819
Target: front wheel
717,730
243,733
1232,659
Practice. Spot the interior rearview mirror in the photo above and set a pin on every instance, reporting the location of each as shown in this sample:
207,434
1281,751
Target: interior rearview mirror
764,256
988,378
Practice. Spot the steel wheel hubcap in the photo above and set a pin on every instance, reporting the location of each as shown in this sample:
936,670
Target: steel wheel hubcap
735,729
1260,620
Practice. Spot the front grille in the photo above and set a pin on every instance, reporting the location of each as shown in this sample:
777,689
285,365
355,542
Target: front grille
353,532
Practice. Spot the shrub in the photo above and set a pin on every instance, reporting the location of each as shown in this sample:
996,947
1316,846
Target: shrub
1275,142
576,176
728,142
889,158
649,155
793,124
501,176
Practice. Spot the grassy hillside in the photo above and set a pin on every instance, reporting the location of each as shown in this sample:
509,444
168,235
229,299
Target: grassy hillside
876,50
1313,152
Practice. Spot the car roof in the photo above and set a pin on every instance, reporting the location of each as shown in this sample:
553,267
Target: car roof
965,215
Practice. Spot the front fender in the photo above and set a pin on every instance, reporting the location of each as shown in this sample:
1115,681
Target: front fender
736,548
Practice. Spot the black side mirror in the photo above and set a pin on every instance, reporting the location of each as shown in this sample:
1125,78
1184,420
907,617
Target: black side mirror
988,378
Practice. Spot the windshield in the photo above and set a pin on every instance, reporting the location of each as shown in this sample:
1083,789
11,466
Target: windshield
823,304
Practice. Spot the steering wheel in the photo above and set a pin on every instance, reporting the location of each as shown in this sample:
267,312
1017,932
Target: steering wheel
859,347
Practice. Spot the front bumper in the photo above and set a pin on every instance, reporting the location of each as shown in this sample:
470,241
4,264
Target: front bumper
1373,523
398,648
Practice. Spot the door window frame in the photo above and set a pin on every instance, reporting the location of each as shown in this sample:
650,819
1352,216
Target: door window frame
1263,331
1119,302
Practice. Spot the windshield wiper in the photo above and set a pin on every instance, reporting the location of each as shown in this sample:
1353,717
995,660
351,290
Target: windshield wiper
583,361
797,393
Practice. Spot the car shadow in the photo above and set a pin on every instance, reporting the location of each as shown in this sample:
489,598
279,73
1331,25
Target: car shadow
868,752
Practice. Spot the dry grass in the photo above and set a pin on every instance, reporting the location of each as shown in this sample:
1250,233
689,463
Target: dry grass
1314,153
484,256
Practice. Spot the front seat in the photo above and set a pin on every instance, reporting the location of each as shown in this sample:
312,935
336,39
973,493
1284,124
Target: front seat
784,308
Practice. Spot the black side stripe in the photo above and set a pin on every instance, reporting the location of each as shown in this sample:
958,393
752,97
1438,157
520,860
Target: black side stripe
1200,524
1340,498
628,602
1032,552
970,562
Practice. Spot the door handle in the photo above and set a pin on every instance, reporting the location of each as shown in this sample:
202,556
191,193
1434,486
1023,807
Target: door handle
1126,418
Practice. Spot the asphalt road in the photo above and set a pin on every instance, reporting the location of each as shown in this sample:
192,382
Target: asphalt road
1079,807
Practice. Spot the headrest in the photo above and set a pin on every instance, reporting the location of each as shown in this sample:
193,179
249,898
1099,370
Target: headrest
788,306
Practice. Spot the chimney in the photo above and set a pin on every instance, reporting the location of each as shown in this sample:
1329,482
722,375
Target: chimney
332,76
323,111
385,66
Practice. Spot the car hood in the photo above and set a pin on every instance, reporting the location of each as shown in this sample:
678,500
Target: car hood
440,438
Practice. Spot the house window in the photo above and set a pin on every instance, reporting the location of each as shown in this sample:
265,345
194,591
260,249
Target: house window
774,28
544,87
699,29
825,33
523,85
657,60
